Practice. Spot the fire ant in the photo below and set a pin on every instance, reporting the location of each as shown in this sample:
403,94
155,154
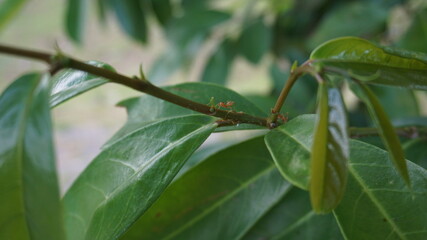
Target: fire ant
228,104
214,107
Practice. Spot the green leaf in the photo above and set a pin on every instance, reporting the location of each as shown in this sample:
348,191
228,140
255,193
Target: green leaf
70,83
124,180
146,109
386,129
378,204
254,41
218,66
131,17
330,151
218,199
293,219
358,58
162,10
29,194
290,147
75,19
416,151
361,18
8,9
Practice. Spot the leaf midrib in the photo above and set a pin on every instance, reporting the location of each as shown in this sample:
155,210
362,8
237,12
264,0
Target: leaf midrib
375,202
220,202
20,145
132,177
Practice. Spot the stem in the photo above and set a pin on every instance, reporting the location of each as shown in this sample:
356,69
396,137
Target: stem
293,77
57,62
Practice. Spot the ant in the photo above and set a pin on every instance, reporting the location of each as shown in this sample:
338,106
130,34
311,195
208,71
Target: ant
213,106
228,104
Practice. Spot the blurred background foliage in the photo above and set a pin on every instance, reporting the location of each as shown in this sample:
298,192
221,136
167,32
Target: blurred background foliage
246,45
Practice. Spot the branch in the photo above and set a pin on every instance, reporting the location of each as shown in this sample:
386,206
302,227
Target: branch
59,61
293,77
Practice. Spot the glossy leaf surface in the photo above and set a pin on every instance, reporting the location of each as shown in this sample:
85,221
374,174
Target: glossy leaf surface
293,219
8,9
290,147
69,83
76,19
221,198
367,62
386,129
378,204
29,194
145,109
126,178
330,151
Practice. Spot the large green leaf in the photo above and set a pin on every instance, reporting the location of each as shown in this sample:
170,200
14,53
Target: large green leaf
255,41
368,62
126,178
69,83
293,219
29,194
75,20
8,9
221,198
131,16
386,129
378,204
146,109
330,151
360,18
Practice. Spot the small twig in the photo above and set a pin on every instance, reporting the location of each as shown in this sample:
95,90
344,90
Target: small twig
60,61
293,77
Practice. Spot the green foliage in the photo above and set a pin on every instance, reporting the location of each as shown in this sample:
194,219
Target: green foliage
29,190
70,83
153,179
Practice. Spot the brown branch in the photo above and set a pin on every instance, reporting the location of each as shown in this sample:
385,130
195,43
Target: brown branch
59,61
